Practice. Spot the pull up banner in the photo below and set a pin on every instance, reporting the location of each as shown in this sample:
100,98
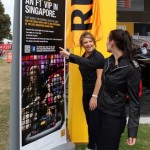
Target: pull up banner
82,15
42,102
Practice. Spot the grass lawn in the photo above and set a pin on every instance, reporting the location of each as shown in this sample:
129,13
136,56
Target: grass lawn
143,142
5,69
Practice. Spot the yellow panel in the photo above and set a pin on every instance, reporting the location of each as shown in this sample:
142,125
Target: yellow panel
129,26
76,119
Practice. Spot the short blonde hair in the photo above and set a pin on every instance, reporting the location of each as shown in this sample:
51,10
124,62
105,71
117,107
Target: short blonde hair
86,35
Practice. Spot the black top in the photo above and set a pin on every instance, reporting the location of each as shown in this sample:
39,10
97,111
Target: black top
118,82
89,74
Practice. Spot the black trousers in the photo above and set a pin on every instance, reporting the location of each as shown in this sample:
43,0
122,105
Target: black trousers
109,131
91,119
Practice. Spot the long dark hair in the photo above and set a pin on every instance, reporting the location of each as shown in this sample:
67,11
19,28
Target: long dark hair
123,41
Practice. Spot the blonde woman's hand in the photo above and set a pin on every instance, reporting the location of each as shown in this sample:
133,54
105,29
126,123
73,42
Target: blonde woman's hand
131,141
64,53
92,104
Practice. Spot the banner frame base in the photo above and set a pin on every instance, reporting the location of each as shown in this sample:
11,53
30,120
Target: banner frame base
66,146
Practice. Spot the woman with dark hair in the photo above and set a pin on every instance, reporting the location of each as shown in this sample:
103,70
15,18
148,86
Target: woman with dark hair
121,77
91,82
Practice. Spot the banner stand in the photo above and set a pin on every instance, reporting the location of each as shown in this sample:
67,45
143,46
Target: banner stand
14,129
14,92
66,146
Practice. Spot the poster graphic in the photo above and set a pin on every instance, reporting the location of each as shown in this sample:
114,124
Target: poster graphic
42,26
42,73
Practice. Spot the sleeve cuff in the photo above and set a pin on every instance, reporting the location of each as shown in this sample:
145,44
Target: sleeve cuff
132,132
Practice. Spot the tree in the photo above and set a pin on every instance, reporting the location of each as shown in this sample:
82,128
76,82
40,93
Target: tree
4,23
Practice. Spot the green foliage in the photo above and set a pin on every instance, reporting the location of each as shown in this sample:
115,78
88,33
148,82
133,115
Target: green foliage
4,23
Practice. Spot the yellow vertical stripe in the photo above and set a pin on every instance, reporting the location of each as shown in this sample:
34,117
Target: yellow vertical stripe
83,19
76,118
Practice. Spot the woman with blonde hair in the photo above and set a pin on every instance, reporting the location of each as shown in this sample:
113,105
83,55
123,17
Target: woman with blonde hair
91,82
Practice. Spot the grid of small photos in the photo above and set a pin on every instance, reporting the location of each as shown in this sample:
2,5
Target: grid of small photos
42,93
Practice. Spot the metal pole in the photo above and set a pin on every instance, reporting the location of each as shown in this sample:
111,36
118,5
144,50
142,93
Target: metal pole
14,93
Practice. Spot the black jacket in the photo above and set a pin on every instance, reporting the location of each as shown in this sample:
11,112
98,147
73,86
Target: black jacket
89,75
117,82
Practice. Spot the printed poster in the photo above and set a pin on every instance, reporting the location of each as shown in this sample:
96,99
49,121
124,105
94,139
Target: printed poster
42,113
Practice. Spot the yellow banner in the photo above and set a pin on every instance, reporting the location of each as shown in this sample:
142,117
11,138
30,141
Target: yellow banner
82,16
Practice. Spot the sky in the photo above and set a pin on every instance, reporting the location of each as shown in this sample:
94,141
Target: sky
9,9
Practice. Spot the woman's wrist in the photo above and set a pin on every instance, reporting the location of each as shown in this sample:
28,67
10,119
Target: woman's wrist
95,96
68,54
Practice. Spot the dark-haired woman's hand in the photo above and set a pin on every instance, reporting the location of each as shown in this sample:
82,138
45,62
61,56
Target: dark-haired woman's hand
131,141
